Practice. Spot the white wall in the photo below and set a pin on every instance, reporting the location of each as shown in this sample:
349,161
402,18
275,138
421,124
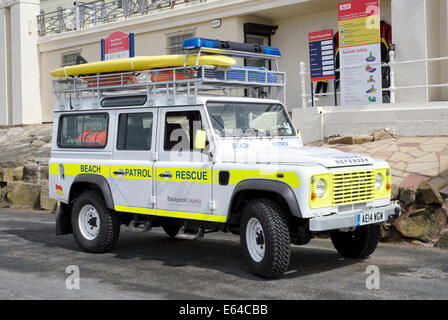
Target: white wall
409,36
403,119
5,67
19,63
25,63
444,46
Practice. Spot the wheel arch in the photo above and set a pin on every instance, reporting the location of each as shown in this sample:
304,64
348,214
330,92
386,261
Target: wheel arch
83,182
262,188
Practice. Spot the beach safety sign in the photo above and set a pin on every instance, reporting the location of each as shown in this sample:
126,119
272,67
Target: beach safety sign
360,52
321,55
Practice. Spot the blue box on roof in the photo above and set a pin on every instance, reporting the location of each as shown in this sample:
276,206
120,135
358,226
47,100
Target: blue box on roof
196,43
272,51
254,74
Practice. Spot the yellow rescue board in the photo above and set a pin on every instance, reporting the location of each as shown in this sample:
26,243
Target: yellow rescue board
142,63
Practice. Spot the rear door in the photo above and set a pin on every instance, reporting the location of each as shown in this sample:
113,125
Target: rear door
184,173
132,167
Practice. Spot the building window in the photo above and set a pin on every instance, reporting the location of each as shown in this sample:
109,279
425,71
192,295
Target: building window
69,59
175,41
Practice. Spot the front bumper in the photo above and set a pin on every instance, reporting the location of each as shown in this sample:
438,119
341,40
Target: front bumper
349,220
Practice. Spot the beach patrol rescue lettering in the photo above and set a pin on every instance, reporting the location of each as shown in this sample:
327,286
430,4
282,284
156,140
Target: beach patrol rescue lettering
86,168
187,175
138,173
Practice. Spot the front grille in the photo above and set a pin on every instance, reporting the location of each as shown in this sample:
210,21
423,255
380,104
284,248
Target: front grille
353,187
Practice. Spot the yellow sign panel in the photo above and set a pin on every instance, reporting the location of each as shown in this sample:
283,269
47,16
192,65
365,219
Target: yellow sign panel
359,31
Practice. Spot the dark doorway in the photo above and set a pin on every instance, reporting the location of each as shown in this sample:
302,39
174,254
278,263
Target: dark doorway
258,34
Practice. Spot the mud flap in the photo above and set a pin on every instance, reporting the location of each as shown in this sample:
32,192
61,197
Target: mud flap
63,223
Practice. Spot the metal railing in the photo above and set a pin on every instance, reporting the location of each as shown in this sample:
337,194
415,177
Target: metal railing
89,14
392,87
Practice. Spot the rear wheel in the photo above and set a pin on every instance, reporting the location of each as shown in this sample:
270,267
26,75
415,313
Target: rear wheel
357,244
265,238
96,227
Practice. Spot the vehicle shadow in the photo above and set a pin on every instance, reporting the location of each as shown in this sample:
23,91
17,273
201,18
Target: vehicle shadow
225,254
222,253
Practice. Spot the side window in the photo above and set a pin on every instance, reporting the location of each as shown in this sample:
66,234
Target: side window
83,130
180,130
135,131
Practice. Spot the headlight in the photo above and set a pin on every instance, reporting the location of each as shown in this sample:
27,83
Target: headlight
378,181
321,188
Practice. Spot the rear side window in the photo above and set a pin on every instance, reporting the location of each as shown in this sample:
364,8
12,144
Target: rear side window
83,130
135,131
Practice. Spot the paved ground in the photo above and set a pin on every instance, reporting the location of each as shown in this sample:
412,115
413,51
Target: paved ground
33,262
413,159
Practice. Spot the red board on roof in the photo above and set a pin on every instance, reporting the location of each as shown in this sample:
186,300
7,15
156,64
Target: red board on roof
357,9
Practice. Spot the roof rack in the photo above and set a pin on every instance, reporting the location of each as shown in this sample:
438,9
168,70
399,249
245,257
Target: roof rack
171,86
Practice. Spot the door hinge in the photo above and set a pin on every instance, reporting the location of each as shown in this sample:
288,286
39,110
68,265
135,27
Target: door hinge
212,205
152,200
155,156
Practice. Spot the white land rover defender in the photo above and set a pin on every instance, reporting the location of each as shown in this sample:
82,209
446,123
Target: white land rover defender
205,149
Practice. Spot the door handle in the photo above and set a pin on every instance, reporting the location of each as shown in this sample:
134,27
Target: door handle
166,175
118,173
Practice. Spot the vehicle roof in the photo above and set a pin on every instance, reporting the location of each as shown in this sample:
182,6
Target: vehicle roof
91,104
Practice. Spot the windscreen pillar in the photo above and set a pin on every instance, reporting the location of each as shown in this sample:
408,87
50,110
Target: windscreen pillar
20,101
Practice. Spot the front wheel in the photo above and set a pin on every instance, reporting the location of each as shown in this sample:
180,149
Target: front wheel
265,238
96,227
357,244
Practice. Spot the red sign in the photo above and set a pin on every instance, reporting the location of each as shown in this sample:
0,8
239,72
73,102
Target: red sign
116,46
320,35
357,9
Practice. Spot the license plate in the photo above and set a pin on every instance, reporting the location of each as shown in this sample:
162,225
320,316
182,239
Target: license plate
370,217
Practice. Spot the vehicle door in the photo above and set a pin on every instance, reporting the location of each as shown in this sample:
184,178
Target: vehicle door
132,172
184,173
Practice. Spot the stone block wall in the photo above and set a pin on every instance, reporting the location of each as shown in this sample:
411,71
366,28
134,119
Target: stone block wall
25,185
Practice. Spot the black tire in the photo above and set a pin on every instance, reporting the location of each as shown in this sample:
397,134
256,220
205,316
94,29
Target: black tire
109,226
275,234
172,227
357,244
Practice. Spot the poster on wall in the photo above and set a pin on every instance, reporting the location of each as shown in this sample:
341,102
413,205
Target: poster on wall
360,52
321,55
118,45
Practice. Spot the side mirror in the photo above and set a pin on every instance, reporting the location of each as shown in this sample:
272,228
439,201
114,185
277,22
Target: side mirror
200,139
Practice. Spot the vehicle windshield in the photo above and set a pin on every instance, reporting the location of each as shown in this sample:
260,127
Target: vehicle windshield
249,120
